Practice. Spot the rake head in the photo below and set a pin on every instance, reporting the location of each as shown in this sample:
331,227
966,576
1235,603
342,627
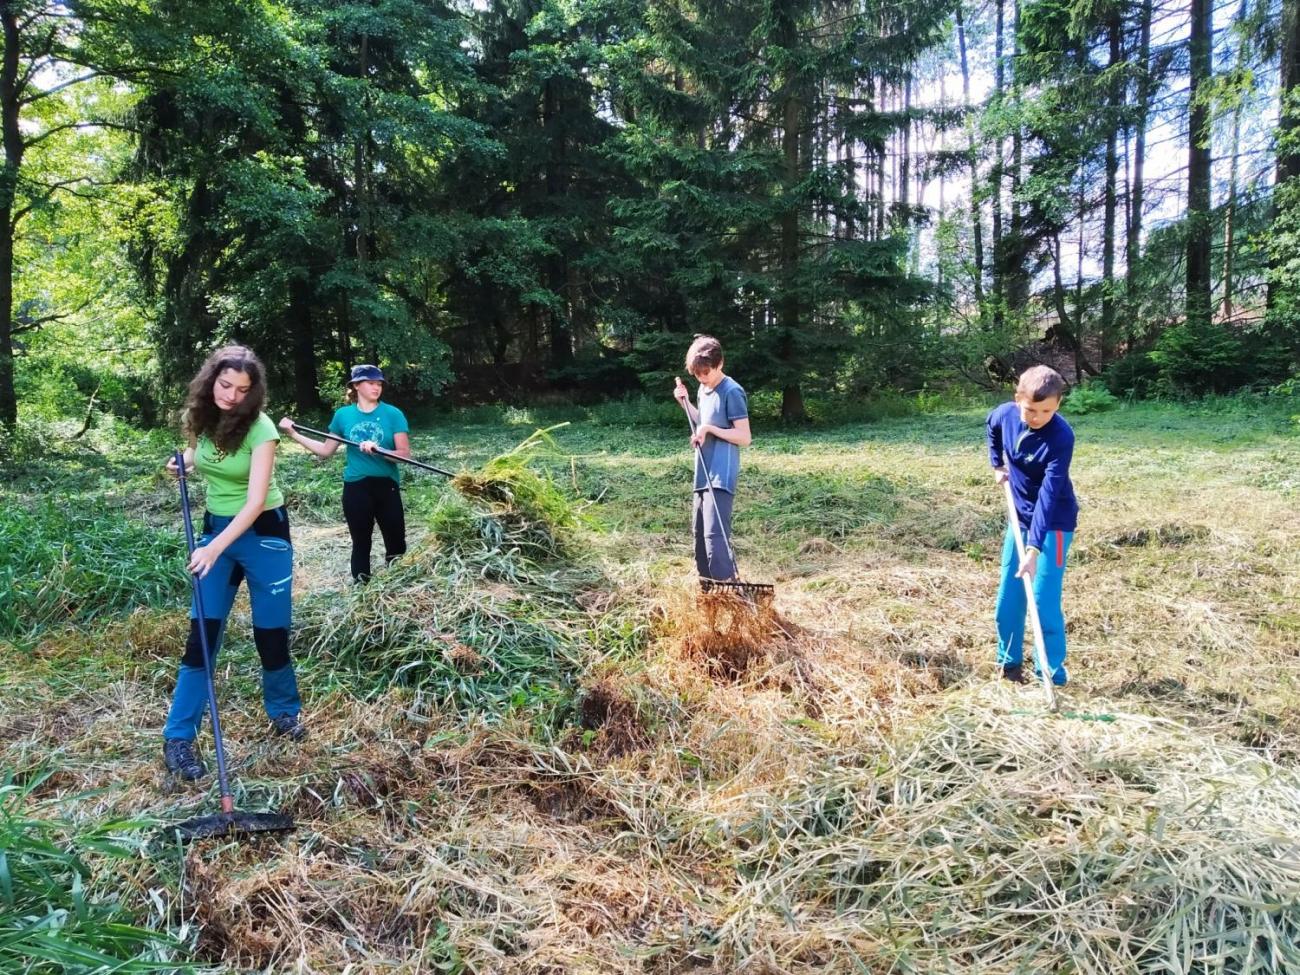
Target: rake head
231,824
762,592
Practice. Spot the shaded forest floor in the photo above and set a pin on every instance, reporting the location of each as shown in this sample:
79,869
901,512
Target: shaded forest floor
558,765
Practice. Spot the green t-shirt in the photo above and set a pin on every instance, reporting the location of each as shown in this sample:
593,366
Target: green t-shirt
382,424
227,474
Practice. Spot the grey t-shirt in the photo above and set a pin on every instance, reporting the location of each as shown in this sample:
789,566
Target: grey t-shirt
721,406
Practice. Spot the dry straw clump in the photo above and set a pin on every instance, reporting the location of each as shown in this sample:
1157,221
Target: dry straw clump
730,636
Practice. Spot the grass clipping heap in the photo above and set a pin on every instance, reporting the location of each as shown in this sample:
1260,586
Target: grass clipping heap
482,607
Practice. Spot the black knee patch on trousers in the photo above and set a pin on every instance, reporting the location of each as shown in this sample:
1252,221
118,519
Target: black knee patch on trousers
272,646
194,648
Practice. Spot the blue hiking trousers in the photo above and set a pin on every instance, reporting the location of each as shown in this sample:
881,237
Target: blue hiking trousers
1012,605
262,556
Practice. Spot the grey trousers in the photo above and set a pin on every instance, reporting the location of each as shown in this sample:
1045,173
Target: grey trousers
710,519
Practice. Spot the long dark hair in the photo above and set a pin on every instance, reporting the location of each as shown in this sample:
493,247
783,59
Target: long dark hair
202,416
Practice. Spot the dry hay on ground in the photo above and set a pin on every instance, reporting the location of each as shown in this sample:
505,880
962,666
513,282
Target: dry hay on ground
731,636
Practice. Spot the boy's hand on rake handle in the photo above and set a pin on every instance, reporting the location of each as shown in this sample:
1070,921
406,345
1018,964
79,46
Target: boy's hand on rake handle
1000,476
680,392
1028,565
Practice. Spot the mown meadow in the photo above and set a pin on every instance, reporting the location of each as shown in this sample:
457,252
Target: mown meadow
532,750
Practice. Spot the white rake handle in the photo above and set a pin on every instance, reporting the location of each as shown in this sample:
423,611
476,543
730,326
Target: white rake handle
1040,647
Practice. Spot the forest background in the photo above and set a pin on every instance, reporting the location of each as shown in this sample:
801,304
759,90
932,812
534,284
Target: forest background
544,200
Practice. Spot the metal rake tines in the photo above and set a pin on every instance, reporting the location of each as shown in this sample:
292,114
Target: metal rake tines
750,590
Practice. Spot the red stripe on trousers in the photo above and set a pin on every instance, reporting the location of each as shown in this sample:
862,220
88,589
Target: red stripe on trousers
1060,549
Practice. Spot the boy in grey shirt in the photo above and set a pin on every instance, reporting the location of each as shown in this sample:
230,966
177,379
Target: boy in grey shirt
721,429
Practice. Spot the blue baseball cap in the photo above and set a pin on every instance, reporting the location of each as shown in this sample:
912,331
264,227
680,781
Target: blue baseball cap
361,374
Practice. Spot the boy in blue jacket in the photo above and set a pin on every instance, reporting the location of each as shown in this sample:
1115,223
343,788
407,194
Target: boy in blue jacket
1030,444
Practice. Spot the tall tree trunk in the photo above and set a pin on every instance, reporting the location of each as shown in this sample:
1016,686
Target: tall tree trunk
560,334
792,405
1198,168
1133,233
10,107
1288,163
360,178
977,228
305,380
849,150
1234,169
880,169
995,175
1115,99
905,157
1288,160
1017,280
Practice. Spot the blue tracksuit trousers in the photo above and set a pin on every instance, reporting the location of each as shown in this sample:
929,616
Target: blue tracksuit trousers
263,556
1012,606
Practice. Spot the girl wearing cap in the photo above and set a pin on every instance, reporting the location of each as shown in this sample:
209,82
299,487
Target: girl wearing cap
371,491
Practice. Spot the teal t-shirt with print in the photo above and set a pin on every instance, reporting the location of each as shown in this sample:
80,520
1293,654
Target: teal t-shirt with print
382,424
227,474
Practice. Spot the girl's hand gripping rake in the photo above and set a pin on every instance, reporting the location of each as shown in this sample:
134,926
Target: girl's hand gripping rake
1040,647
761,591
228,822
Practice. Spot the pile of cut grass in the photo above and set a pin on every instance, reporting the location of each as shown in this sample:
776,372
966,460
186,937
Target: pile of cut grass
521,509
482,612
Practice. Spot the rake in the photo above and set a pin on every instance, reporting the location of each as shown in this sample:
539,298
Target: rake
386,454
759,591
230,821
1040,647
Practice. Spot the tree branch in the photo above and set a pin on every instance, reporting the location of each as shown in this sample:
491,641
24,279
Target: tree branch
62,86
92,124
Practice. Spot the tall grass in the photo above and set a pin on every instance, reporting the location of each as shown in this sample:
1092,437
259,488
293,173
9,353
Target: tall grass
67,563
59,913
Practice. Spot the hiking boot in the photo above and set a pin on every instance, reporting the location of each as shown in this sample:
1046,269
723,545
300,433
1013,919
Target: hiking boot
181,761
1014,673
290,726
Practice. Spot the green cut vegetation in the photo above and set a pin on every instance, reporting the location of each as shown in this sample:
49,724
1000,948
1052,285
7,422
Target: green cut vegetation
533,750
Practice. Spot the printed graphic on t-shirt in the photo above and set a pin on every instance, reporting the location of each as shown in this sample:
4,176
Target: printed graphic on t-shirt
366,430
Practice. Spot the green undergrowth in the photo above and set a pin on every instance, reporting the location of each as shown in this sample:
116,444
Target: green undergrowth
63,905
68,563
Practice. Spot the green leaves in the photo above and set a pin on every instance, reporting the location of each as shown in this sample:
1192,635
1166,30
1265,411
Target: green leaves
54,915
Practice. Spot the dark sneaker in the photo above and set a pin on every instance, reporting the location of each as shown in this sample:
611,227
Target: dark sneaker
181,760
1014,673
290,726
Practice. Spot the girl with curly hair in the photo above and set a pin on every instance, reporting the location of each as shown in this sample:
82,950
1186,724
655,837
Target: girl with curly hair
245,537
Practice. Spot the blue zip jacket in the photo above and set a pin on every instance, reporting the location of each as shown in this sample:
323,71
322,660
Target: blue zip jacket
1039,464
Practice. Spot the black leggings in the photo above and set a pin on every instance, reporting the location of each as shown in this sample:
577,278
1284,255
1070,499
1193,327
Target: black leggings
370,500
